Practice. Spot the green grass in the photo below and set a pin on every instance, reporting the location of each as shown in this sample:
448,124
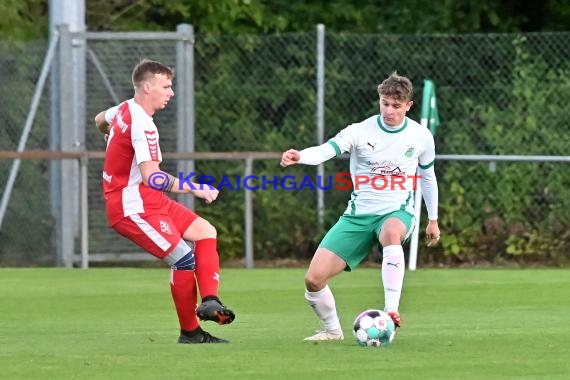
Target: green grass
121,324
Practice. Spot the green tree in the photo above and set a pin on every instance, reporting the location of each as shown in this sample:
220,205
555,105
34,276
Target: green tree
358,16
23,19
225,16
28,19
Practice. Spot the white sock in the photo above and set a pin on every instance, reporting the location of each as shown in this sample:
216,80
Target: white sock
393,268
324,306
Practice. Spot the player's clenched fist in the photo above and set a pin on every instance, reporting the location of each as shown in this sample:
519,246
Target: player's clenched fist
290,157
209,195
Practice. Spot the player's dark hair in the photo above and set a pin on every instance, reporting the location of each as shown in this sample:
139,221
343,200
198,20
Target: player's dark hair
146,68
397,87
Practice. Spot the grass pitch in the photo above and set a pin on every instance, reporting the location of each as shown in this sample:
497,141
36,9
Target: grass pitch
121,324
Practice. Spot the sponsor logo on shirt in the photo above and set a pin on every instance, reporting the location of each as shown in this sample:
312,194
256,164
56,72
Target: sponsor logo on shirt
121,123
383,163
106,177
386,171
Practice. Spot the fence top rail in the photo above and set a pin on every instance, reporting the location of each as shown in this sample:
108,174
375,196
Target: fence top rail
146,36
57,155
505,157
38,154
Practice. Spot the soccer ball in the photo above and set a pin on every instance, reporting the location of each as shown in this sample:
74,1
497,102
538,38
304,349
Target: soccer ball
374,328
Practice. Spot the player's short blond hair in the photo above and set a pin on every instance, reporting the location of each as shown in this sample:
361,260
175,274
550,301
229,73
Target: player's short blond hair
146,68
397,87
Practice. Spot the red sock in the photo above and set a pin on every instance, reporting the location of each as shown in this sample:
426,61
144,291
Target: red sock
183,289
207,267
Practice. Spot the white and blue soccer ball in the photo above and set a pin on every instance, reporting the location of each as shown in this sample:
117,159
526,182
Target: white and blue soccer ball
374,328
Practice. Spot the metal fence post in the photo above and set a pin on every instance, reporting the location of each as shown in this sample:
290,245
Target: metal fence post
248,215
84,210
185,102
320,118
65,215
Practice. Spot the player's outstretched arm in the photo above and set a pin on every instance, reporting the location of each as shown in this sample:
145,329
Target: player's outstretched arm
206,192
314,155
290,157
159,180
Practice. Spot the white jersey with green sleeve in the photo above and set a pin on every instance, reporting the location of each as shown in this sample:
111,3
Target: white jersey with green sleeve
381,153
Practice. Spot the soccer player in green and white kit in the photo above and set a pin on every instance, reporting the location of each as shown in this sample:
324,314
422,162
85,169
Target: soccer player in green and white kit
388,146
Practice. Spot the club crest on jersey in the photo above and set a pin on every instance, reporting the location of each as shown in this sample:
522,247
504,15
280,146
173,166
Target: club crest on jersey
409,151
164,227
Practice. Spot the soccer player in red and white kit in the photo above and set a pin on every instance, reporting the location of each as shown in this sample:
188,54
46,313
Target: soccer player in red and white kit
137,208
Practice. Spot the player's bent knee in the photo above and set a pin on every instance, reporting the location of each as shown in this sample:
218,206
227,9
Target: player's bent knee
392,236
210,231
314,284
200,229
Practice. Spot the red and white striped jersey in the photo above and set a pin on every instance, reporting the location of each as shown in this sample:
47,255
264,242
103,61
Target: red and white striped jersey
133,139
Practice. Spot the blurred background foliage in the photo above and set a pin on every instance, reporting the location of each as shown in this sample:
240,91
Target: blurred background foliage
28,19
255,90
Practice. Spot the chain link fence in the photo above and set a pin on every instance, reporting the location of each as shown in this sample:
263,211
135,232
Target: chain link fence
497,94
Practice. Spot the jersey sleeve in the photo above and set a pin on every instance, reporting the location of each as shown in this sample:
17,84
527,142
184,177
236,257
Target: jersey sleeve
145,142
427,157
317,154
430,194
110,113
345,141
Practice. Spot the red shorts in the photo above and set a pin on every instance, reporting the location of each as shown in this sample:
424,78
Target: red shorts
157,234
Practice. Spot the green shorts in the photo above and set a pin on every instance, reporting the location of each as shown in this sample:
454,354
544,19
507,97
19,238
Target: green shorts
353,236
